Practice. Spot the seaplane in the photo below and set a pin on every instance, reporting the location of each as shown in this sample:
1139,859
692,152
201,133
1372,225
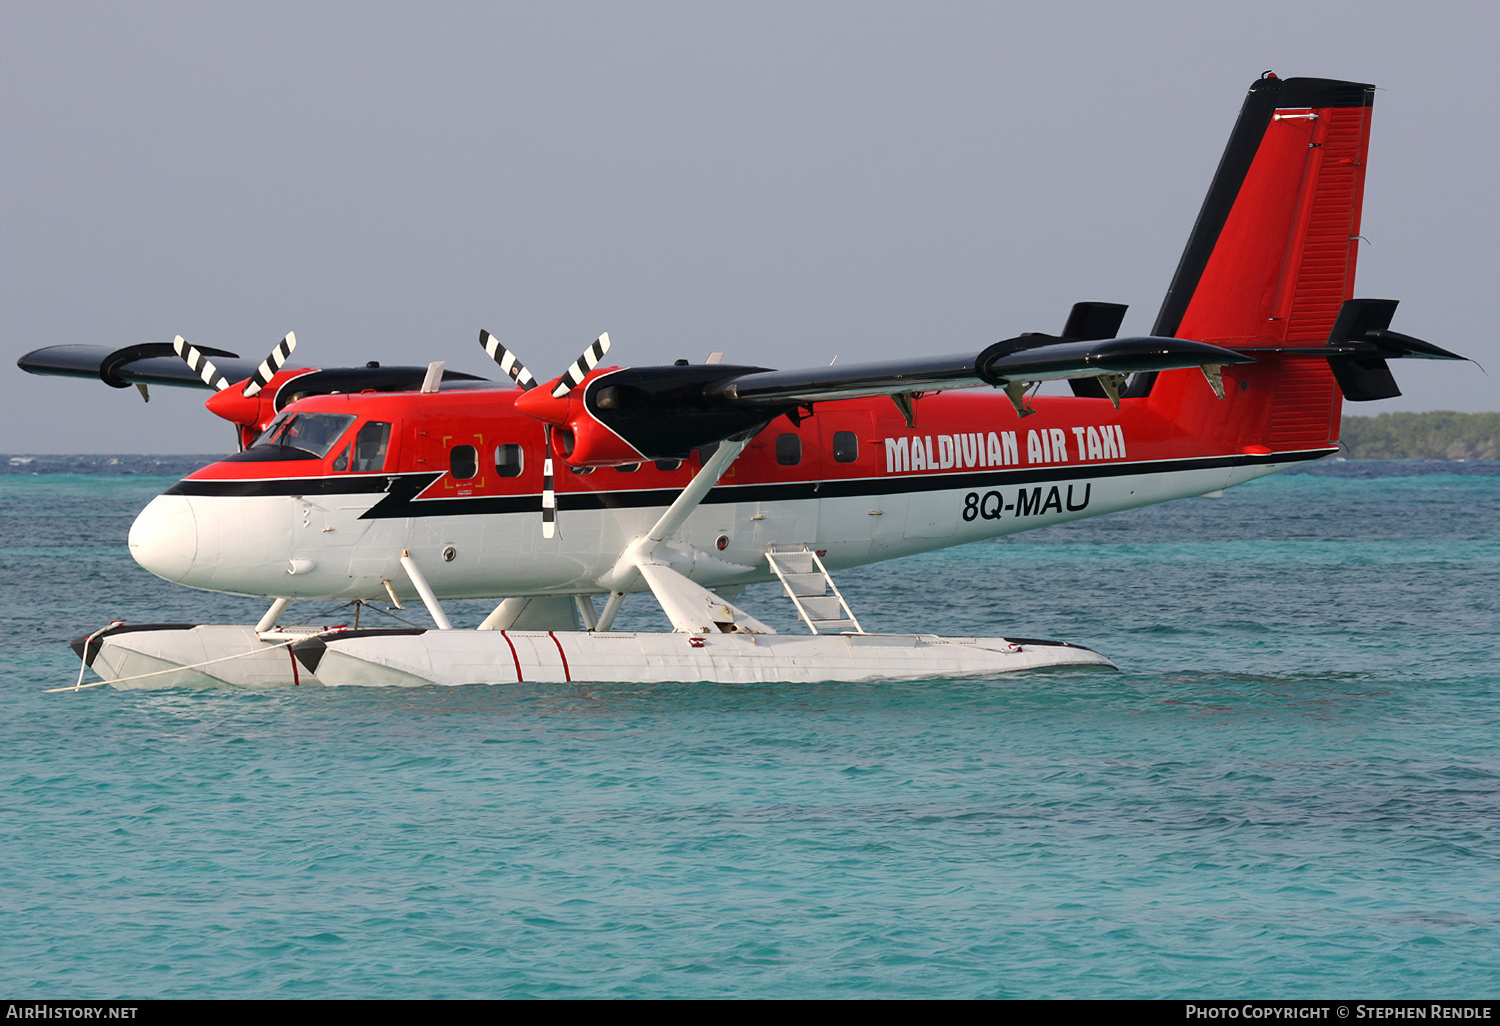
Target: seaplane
400,485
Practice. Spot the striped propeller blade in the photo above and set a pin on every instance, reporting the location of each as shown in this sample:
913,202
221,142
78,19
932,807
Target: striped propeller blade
201,365
507,361
585,363
549,497
271,364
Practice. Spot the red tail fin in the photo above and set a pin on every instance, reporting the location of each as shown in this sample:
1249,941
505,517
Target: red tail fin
1271,260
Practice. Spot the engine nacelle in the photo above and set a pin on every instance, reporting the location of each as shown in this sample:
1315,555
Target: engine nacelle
584,442
630,415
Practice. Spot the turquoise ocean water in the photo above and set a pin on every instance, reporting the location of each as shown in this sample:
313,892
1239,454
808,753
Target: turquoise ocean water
1291,789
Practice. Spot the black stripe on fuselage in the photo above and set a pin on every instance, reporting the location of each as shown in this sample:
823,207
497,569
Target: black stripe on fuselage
401,498
351,484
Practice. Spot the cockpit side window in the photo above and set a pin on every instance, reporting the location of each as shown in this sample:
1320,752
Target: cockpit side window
370,446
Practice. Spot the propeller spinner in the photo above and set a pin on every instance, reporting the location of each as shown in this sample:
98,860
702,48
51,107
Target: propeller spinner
242,408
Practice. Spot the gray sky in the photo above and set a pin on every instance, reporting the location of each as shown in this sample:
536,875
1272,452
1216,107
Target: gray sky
783,182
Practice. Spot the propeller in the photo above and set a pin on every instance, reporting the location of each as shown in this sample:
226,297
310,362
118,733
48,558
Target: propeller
569,380
243,409
200,363
507,360
215,379
271,364
575,374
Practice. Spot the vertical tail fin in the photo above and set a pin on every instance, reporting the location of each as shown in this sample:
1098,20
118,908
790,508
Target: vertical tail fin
1271,259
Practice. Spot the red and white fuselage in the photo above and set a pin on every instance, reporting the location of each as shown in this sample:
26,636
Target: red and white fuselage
853,481
364,487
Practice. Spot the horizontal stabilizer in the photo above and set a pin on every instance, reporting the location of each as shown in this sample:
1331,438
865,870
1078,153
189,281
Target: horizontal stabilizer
1358,347
1395,345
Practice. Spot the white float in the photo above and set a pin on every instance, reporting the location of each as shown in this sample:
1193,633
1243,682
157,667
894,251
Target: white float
379,659
226,655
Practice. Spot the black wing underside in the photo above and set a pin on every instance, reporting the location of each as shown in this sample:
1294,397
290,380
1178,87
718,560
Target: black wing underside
157,363
147,363
1024,358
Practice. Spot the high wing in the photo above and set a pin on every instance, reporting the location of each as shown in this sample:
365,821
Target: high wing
634,413
264,388
147,363
1024,358
1085,352
158,363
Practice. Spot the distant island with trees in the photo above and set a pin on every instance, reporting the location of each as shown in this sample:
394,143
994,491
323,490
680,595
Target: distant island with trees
1441,435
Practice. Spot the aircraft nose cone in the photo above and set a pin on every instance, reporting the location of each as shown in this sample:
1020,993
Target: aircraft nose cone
164,538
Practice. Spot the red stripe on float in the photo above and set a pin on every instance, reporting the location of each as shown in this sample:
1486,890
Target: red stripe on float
513,655
561,655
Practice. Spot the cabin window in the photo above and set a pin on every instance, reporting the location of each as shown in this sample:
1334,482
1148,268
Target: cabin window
668,465
341,461
463,462
845,446
508,460
789,449
311,432
628,468
370,445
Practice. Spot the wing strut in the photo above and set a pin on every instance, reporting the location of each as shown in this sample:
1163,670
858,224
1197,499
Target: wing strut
692,608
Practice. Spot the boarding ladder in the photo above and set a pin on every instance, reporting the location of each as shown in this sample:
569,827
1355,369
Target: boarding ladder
812,591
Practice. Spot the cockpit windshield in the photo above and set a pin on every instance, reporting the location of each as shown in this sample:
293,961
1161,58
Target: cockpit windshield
312,432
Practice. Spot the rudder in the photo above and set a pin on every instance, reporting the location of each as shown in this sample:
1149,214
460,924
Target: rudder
1270,262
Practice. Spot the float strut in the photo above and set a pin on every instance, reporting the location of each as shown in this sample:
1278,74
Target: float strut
586,612
428,598
611,607
272,615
